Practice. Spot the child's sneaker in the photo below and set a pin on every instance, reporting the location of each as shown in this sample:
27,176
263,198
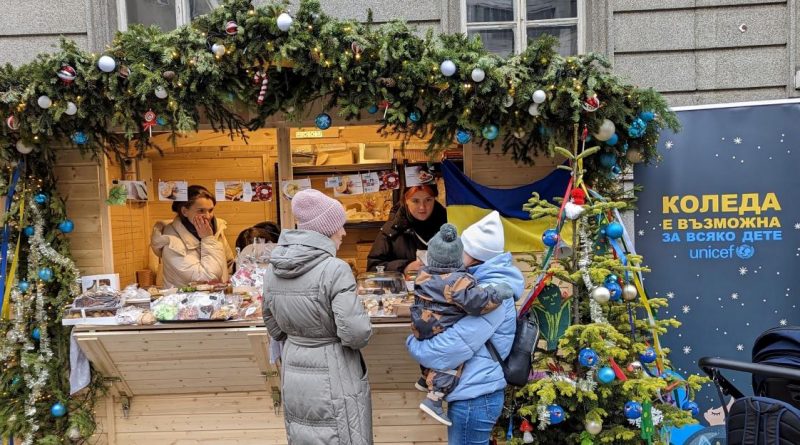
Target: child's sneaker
434,409
421,384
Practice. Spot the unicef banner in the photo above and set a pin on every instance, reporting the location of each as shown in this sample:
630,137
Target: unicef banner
718,223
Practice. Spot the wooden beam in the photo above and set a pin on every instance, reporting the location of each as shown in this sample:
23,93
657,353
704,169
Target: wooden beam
284,174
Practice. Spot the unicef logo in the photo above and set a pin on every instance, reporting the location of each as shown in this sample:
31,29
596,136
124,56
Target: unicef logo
745,251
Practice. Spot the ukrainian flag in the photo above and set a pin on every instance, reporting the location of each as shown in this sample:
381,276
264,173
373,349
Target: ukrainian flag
467,202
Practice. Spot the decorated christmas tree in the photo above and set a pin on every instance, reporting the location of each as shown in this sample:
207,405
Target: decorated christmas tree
600,374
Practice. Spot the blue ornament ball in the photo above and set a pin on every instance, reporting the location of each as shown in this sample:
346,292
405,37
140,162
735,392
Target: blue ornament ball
36,334
588,357
372,109
45,274
28,231
550,237
648,356
490,132
323,121
79,138
647,116
161,121
415,115
613,139
614,230
58,409
633,410
615,290
556,414
66,226
608,159
606,375
637,128
23,286
463,136
40,198
691,406
15,381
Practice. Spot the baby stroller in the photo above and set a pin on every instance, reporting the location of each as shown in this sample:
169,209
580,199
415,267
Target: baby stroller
772,415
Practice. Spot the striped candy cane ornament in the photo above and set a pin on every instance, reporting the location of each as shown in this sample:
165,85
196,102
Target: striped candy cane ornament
262,77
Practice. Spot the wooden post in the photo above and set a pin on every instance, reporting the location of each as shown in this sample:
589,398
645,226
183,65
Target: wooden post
285,173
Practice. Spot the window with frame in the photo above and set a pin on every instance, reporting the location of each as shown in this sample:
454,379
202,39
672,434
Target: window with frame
505,26
166,14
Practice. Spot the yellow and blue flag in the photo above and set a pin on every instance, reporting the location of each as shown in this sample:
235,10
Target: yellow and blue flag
467,202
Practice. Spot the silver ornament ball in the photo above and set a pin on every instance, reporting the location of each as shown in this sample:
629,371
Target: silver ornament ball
478,75
601,294
284,22
24,148
594,427
533,110
607,129
161,92
44,102
71,109
73,433
629,292
448,68
218,50
539,96
106,64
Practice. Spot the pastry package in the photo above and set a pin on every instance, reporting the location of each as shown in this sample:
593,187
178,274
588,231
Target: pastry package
192,306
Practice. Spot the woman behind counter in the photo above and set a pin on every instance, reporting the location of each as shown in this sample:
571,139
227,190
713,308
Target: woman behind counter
416,221
192,247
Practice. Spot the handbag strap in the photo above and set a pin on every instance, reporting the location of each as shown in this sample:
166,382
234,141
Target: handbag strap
493,352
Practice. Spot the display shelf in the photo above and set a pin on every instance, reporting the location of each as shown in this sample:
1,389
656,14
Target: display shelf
353,168
364,225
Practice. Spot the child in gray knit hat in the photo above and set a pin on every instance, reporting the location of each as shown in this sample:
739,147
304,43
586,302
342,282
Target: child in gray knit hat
443,294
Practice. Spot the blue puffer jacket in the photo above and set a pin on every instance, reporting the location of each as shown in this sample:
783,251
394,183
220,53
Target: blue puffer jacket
465,342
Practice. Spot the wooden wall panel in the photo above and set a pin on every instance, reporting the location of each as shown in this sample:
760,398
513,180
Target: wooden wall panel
498,170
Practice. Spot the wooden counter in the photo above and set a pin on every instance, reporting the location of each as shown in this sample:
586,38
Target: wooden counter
212,383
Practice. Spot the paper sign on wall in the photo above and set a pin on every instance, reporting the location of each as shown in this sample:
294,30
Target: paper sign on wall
290,188
390,180
173,190
137,190
418,175
260,191
351,185
371,182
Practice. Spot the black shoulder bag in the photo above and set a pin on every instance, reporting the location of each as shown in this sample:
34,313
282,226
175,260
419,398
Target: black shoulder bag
517,366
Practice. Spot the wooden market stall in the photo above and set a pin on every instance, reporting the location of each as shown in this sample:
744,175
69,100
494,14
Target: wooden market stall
211,382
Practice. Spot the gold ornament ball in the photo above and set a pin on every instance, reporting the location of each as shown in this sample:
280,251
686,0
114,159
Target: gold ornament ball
634,155
629,292
594,427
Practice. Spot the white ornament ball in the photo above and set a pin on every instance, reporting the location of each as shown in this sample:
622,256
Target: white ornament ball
106,64
634,156
448,68
601,294
539,96
594,427
284,22
73,433
533,110
508,101
629,292
161,92
44,102
478,75
218,50
607,129
71,109
24,148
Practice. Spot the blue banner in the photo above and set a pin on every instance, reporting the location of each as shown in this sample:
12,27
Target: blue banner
718,222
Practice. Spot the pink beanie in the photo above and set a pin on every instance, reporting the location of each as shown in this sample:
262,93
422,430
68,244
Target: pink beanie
316,211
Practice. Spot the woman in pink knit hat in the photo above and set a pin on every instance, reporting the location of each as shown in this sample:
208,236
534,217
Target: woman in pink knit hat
310,302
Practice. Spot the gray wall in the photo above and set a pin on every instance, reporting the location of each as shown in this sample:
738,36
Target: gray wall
691,50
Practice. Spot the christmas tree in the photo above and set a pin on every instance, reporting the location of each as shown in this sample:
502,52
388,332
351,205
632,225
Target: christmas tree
601,374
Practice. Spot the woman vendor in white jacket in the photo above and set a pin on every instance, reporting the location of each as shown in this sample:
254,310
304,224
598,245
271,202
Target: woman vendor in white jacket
192,247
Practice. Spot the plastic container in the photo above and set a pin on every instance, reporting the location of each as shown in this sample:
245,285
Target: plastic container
380,291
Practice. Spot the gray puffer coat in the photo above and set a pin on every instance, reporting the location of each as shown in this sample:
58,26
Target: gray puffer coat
310,301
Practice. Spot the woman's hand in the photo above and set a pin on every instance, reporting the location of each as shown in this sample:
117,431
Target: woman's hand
413,267
203,227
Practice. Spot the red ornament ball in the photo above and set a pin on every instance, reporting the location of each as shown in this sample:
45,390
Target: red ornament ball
67,74
12,123
231,28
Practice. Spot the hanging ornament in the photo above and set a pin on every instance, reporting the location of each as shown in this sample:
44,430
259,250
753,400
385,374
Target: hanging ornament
629,292
28,231
490,132
533,110
71,109
588,357
647,116
594,427
634,155
691,406
550,237
372,109
614,230
648,356
261,78
67,74
634,366
614,290
45,274
44,102
574,208
284,22
606,375
508,101
123,72
40,198
231,28
415,115
149,121
478,75
637,128
79,138
448,68
23,286
12,123
556,414
607,159
106,64
591,104
168,75
607,128
601,294
323,121
161,92
519,133
36,334
58,409
539,96
218,50
633,410
463,136
66,226
161,121
613,139
357,49
526,429
74,433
